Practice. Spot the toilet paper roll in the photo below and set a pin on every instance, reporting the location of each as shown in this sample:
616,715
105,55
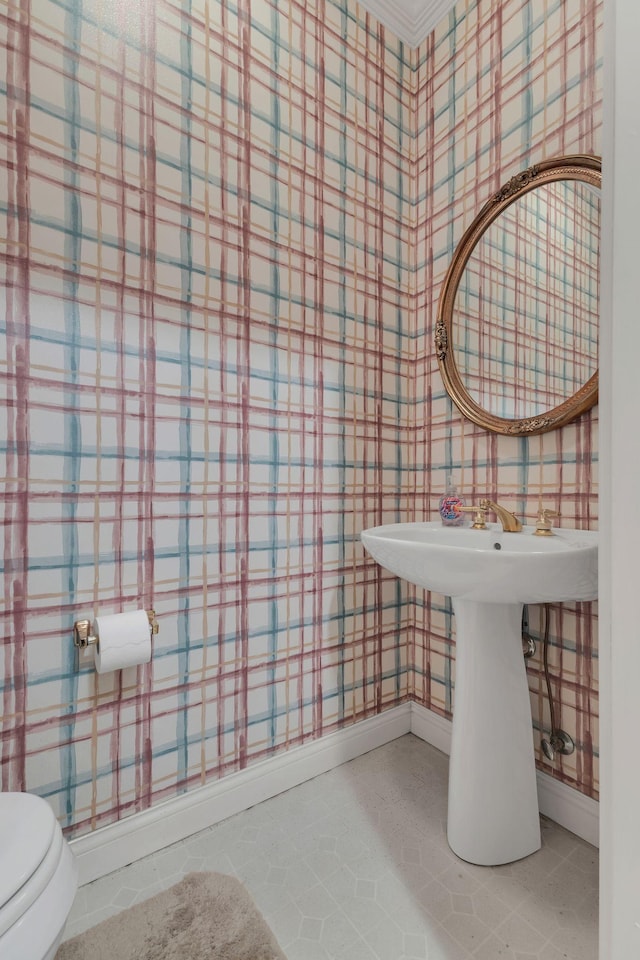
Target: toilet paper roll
124,640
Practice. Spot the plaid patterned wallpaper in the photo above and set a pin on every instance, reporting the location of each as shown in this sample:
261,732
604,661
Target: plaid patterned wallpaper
226,227
206,302
499,87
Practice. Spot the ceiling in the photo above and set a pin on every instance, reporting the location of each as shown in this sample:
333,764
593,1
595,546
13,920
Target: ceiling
410,20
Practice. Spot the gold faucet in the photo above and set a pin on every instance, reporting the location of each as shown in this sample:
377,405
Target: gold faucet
479,519
543,524
509,521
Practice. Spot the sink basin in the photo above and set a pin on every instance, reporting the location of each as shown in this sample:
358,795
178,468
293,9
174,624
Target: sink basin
493,815
489,566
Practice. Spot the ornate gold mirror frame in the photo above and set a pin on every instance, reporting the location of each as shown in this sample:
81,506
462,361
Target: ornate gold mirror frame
577,167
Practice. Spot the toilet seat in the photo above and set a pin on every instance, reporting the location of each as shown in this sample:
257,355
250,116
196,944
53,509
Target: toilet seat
37,932
17,906
27,830
38,866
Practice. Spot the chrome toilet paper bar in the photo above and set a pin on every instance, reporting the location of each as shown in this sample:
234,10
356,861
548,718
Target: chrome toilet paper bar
83,638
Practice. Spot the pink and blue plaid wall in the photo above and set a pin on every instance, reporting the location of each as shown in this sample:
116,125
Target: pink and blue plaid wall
226,226
499,87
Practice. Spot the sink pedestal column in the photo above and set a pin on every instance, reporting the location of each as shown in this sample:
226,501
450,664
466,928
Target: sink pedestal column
493,801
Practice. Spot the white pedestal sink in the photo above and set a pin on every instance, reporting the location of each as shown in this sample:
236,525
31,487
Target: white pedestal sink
493,804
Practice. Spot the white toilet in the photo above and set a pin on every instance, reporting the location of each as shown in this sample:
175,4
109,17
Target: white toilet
38,878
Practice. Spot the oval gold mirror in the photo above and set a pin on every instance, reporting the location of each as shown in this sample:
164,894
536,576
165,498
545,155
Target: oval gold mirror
517,325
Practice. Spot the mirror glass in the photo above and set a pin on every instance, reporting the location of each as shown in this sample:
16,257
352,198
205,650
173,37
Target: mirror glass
517,331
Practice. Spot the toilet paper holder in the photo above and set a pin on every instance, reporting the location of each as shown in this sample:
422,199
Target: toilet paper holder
83,638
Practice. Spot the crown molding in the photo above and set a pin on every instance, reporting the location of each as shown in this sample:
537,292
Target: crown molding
410,20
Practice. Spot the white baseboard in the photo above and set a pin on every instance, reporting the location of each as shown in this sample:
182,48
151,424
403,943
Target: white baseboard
118,844
562,804
114,846
569,808
431,727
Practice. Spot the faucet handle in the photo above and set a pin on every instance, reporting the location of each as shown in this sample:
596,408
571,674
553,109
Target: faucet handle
480,519
543,523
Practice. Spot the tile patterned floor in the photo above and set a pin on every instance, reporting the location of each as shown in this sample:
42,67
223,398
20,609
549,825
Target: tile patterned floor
354,865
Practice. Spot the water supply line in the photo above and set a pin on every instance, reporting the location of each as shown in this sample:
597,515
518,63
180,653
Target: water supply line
528,642
559,740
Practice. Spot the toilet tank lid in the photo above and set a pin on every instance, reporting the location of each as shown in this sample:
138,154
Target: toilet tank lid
27,829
